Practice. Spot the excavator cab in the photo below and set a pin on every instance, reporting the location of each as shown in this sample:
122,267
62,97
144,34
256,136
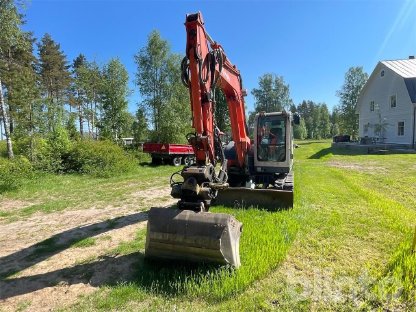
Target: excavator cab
273,149
271,143
269,181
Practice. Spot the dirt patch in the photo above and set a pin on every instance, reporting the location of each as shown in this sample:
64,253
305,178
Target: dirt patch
40,270
369,167
150,195
8,205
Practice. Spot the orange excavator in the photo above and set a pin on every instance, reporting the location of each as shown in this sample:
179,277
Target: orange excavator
243,173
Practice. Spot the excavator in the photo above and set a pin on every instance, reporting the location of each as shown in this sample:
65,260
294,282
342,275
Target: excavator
242,173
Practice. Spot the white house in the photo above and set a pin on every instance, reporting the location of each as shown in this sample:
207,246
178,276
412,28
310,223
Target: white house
387,103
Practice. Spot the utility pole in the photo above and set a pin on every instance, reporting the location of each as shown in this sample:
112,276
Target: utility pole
5,118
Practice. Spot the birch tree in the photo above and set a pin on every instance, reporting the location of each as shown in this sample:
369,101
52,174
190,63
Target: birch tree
355,79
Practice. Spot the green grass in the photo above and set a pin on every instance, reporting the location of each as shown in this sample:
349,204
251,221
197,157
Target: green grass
50,193
83,243
345,246
128,247
262,249
23,305
46,246
398,280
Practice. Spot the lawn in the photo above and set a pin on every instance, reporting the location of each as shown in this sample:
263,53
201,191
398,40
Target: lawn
51,192
346,244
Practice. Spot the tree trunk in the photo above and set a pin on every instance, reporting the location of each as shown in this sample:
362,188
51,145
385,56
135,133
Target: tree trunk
93,112
1,127
81,121
6,124
88,119
11,113
9,89
31,130
95,118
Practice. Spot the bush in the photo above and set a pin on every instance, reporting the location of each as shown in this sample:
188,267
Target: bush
140,156
99,158
37,151
46,154
3,149
59,146
12,172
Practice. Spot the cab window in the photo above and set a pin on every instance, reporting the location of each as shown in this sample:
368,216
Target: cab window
271,143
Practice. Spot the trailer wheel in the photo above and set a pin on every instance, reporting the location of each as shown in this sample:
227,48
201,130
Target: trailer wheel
187,161
176,161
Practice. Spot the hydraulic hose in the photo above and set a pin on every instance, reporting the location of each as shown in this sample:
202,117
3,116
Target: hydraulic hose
185,71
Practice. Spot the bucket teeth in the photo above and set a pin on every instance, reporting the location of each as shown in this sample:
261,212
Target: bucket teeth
191,236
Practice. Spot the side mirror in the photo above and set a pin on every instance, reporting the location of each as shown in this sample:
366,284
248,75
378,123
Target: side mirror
296,118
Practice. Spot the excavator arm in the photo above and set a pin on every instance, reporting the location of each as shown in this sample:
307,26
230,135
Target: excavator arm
205,67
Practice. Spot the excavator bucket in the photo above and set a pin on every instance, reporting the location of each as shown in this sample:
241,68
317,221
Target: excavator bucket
193,236
242,197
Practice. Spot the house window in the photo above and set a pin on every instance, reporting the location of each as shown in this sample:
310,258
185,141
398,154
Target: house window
372,106
393,101
382,73
400,128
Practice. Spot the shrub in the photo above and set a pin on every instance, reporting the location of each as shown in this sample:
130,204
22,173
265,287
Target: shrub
99,158
36,150
140,156
59,146
12,172
46,154
3,149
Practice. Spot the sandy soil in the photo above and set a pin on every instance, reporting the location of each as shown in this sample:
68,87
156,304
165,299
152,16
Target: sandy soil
50,273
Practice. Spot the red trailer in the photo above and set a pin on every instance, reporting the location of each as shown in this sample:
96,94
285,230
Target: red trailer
176,154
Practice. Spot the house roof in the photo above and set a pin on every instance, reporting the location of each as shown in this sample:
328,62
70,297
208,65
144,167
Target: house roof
404,68
411,88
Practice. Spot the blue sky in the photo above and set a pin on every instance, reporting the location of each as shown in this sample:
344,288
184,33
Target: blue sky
310,43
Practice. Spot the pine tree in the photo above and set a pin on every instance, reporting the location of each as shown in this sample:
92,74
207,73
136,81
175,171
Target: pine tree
22,90
55,80
93,85
78,95
12,41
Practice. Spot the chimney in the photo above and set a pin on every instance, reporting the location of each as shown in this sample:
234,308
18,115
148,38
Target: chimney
411,57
